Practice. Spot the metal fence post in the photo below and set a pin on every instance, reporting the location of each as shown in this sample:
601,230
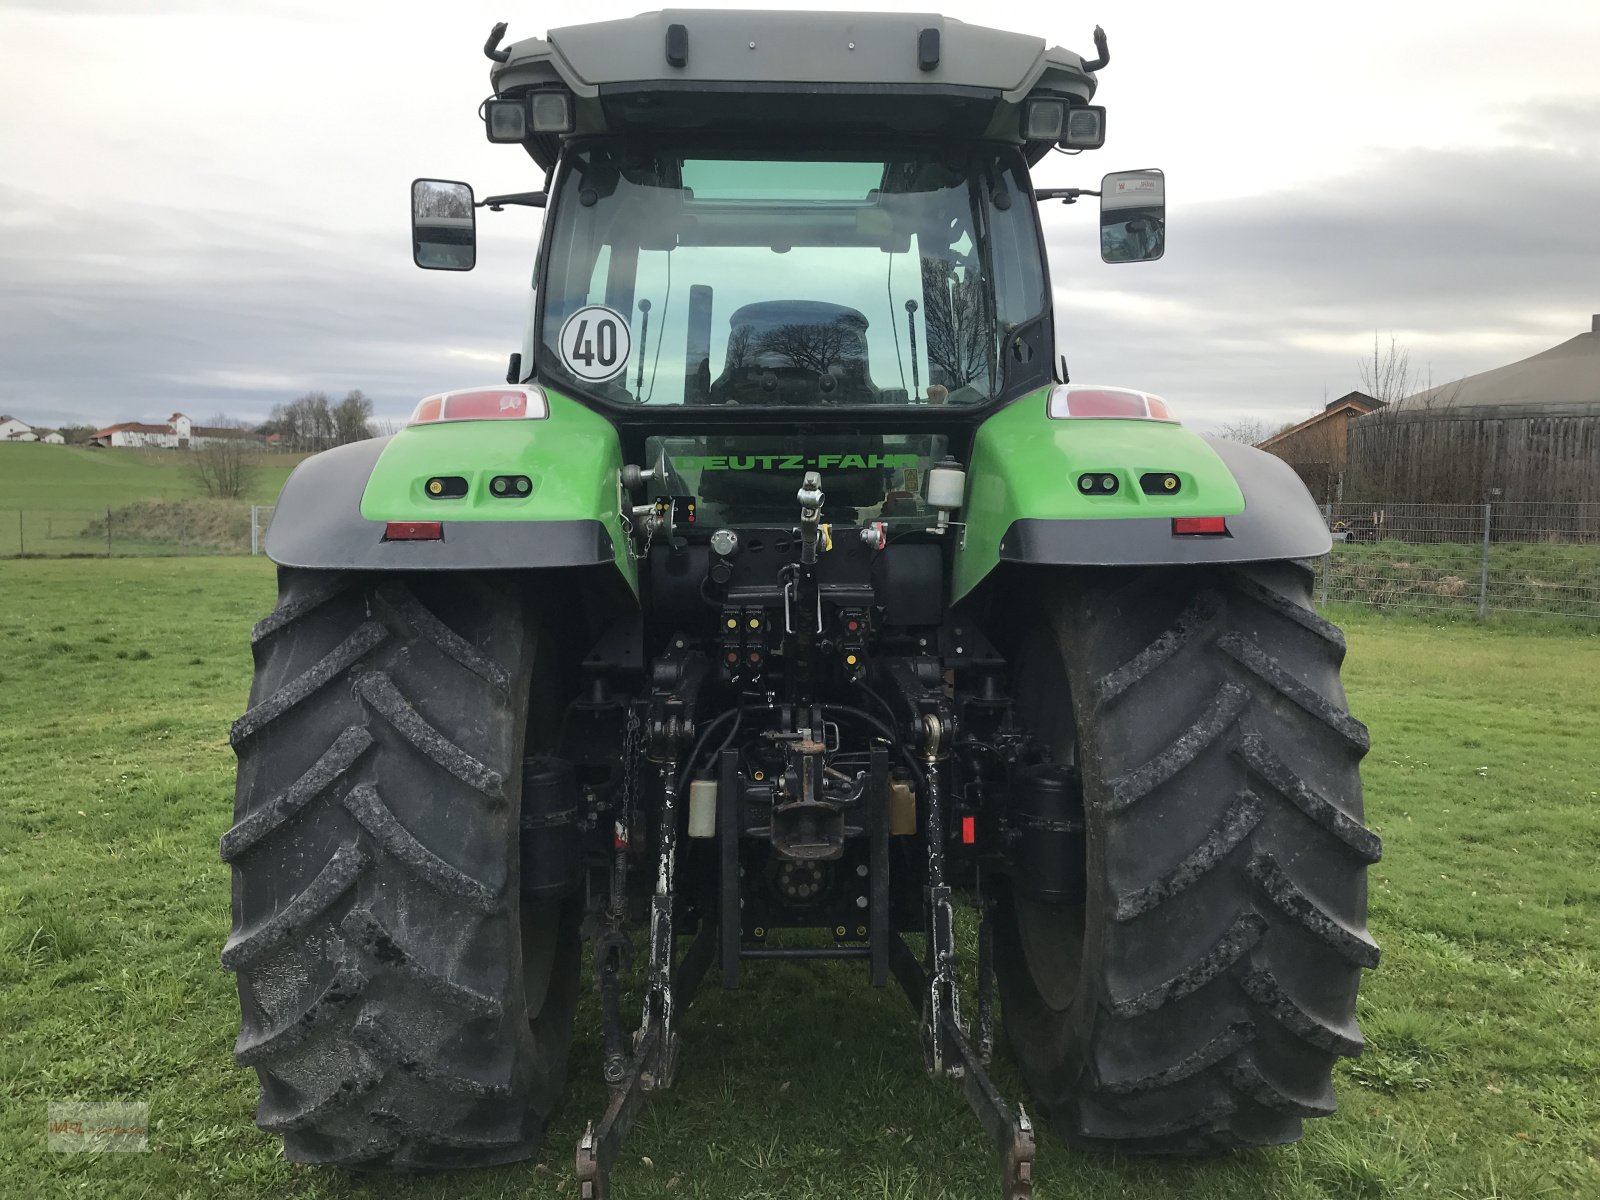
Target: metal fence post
1483,576
108,533
21,546
255,530
1327,559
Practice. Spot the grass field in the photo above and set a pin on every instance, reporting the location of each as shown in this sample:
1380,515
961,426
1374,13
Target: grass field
1548,578
1481,1079
54,500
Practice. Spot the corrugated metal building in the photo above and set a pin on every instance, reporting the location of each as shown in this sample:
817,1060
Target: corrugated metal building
1530,429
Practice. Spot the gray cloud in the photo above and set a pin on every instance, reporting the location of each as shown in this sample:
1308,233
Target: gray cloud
1562,124
1474,258
134,310
147,8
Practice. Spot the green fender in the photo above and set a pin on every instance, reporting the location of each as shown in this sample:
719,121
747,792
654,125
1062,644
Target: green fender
1025,503
337,507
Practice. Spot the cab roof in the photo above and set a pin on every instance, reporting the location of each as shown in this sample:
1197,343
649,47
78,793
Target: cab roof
829,75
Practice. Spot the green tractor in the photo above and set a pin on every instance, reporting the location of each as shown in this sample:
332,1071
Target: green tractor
786,592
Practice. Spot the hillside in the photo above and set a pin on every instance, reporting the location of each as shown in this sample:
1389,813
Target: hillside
68,500
68,478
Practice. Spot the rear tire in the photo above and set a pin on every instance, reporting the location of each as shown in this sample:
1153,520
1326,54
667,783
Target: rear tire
1200,996
401,1004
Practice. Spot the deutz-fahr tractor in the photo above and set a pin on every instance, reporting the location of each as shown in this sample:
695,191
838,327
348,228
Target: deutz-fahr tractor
785,598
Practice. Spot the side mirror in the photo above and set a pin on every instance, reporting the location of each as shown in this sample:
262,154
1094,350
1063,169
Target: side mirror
444,232
1133,216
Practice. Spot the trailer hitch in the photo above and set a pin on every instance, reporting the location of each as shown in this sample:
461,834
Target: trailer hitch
930,985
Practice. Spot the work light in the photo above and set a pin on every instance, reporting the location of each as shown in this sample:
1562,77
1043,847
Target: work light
1085,129
552,112
506,120
1044,120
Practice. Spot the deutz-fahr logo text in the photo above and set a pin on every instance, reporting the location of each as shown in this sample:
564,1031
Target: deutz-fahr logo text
794,462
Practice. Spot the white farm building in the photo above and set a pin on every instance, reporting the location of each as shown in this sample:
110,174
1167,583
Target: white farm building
13,430
179,433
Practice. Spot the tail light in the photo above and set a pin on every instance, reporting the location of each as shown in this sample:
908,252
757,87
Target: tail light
413,531
1085,400
519,403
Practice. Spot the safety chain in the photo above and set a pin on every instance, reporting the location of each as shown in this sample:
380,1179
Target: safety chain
628,531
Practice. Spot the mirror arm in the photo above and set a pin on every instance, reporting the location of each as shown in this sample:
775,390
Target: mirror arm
525,199
1065,195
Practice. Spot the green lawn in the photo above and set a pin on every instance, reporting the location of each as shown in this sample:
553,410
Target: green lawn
1549,578
1482,1076
54,499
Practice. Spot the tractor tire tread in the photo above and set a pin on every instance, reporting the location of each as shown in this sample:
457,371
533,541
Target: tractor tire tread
376,903
1224,930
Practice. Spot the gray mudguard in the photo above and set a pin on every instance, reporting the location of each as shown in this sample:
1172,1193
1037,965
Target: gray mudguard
318,525
1280,521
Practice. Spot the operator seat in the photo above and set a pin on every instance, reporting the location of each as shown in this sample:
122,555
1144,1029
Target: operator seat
795,352
807,353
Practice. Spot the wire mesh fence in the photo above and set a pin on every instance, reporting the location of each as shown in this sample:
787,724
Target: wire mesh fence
1472,559
149,528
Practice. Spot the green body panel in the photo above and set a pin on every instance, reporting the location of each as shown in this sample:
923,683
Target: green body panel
1024,464
571,458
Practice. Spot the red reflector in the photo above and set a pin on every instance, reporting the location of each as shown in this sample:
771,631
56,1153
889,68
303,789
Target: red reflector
969,830
1199,525
414,531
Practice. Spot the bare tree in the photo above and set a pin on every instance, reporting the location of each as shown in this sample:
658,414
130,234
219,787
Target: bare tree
814,346
76,435
1249,430
960,335
310,423
1386,376
304,423
430,199
350,417
739,348
224,466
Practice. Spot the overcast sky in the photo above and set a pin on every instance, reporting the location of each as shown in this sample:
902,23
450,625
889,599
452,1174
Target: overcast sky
203,203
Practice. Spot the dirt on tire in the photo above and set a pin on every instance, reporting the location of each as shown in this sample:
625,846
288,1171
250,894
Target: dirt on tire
377,932
1200,997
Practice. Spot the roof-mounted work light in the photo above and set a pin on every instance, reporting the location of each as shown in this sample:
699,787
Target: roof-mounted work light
551,112
506,120
1044,120
1085,128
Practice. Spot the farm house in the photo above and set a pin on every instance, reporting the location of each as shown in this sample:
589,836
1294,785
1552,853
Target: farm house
1318,447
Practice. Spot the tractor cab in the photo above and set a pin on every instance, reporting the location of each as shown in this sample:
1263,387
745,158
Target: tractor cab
776,211
822,231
